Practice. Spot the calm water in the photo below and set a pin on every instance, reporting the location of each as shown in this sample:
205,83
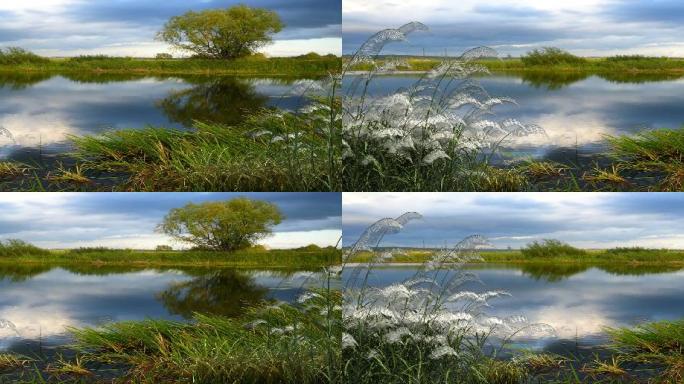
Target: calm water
40,110
42,301
576,110
577,301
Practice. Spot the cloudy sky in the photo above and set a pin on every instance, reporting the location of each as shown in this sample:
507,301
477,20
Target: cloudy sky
584,27
128,220
589,220
128,27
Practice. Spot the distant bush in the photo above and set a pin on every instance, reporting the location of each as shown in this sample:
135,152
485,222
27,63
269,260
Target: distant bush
632,250
619,58
310,55
15,247
551,56
164,56
310,248
91,58
164,248
550,248
93,250
14,55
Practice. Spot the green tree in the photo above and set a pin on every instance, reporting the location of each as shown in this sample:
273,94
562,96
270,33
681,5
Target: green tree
223,225
222,33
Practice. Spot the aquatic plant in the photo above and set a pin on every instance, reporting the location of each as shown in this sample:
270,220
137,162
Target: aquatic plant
429,328
437,134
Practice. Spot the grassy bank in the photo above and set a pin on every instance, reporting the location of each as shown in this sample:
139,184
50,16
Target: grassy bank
250,66
617,64
268,151
632,256
296,343
16,252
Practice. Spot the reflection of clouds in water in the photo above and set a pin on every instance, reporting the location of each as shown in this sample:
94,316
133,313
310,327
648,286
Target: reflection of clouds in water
44,305
583,304
46,112
579,113
579,305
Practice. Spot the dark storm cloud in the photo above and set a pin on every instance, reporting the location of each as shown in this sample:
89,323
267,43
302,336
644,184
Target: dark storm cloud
517,219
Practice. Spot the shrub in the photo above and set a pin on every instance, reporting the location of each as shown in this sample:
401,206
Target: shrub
13,247
164,56
551,56
164,248
14,56
551,248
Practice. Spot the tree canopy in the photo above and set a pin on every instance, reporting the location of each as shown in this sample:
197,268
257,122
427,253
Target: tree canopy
222,33
222,225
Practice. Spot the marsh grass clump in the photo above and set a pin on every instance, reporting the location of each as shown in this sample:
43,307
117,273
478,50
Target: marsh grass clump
437,134
20,56
429,328
551,56
660,343
550,248
13,247
655,153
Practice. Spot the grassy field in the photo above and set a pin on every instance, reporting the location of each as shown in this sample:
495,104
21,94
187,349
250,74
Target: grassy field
308,65
632,256
16,252
624,64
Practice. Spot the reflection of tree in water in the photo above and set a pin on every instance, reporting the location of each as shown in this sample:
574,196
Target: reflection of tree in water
225,292
22,272
22,80
558,272
552,80
224,100
557,80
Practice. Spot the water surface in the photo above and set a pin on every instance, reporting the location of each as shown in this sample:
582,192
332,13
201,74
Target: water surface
575,109
39,111
577,301
41,301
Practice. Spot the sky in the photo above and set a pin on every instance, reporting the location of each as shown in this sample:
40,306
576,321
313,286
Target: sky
586,220
128,220
583,27
128,27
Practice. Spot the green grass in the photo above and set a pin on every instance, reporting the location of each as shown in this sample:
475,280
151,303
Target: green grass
630,256
218,158
658,343
551,248
249,66
17,252
287,343
559,64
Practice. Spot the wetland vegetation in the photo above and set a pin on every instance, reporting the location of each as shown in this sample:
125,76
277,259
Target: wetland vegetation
447,124
441,317
219,135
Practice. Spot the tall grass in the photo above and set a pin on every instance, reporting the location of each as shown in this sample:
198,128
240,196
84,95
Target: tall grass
429,328
19,56
13,247
658,343
436,135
